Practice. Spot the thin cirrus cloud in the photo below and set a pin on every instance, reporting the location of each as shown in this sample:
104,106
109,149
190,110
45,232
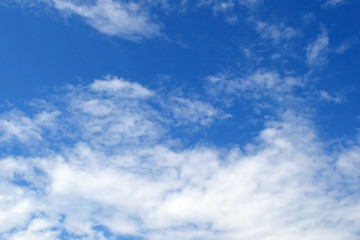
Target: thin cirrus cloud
316,52
287,184
346,45
333,3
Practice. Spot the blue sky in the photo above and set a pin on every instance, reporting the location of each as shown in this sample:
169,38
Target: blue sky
191,119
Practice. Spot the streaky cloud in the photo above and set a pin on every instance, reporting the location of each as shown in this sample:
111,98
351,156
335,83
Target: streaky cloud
316,52
333,3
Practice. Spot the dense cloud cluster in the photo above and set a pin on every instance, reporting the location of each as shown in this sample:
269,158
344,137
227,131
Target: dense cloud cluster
122,175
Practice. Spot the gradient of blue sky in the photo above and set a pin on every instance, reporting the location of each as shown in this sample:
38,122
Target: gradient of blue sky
157,119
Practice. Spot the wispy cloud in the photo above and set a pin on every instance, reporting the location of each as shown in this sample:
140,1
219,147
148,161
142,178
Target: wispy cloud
317,50
255,87
128,20
225,7
222,6
14,125
330,98
186,110
250,2
275,33
334,3
133,20
346,45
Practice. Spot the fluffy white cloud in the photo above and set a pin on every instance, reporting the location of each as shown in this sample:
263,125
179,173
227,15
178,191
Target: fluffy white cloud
120,87
282,185
131,20
37,229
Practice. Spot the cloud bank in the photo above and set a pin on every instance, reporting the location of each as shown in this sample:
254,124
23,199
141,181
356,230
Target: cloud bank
115,170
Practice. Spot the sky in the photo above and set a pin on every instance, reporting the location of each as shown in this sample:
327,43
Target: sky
179,120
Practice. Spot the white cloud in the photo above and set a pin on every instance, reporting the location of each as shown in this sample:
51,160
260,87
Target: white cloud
120,87
282,185
113,111
344,46
16,207
226,6
223,6
317,50
133,20
37,229
255,87
349,162
275,33
330,98
186,110
15,125
109,111
124,19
